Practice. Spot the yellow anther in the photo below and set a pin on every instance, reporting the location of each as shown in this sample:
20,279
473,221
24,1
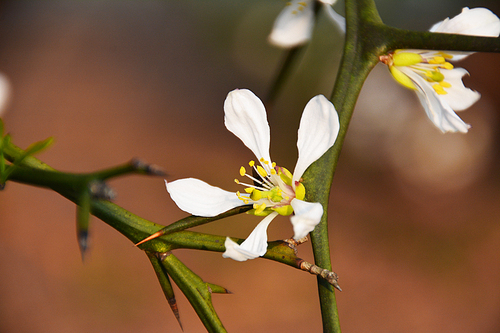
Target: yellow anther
251,163
294,12
300,191
445,55
402,78
445,84
249,189
261,171
260,208
302,3
406,58
273,165
437,60
447,65
300,9
236,181
439,89
242,171
273,172
288,4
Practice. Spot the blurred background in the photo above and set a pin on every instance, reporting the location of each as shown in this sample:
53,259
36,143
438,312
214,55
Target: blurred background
413,213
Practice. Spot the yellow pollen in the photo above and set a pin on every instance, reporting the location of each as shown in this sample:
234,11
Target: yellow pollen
288,4
445,55
273,165
294,12
236,181
273,172
261,171
447,65
439,89
437,60
242,171
249,189
251,163
302,4
445,84
300,9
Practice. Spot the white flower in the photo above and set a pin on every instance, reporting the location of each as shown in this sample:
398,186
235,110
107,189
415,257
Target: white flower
294,25
273,190
437,83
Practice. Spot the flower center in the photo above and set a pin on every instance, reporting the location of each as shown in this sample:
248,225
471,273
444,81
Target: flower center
428,65
272,189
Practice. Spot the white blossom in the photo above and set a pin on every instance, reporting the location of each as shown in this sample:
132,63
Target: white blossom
272,190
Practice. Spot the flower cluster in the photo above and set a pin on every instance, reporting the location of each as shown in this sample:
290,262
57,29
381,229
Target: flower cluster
272,190
436,81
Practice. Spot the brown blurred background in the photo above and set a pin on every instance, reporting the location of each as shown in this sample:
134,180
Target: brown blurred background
414,214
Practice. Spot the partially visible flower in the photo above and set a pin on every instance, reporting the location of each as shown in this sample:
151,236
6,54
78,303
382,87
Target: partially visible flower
437,83
294,25
273,190
5,91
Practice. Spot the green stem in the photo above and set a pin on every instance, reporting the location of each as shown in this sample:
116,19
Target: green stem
358,59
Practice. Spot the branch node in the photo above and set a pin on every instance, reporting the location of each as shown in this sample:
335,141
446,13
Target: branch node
331,277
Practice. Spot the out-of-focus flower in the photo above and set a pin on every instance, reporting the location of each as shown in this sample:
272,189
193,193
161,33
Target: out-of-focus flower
437,83
4,93
294,25
274,190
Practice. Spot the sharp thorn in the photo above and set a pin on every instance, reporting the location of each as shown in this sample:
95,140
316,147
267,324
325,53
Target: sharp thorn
83,242
155,235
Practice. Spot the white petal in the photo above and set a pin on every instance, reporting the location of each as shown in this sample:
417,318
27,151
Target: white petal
306,218
199,198
474,22
328,2
338,19
254,246
438,111
318,131
245,116
294,25
458,97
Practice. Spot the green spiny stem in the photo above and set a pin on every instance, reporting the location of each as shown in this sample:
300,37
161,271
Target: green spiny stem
196,290
165,284
357,61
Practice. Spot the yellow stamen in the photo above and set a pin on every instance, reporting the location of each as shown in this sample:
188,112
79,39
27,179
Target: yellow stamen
445,84
437,60
261,171
445,55
439,89
242,171
406,58
447,65
236,181
259,208
251,163
402,78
